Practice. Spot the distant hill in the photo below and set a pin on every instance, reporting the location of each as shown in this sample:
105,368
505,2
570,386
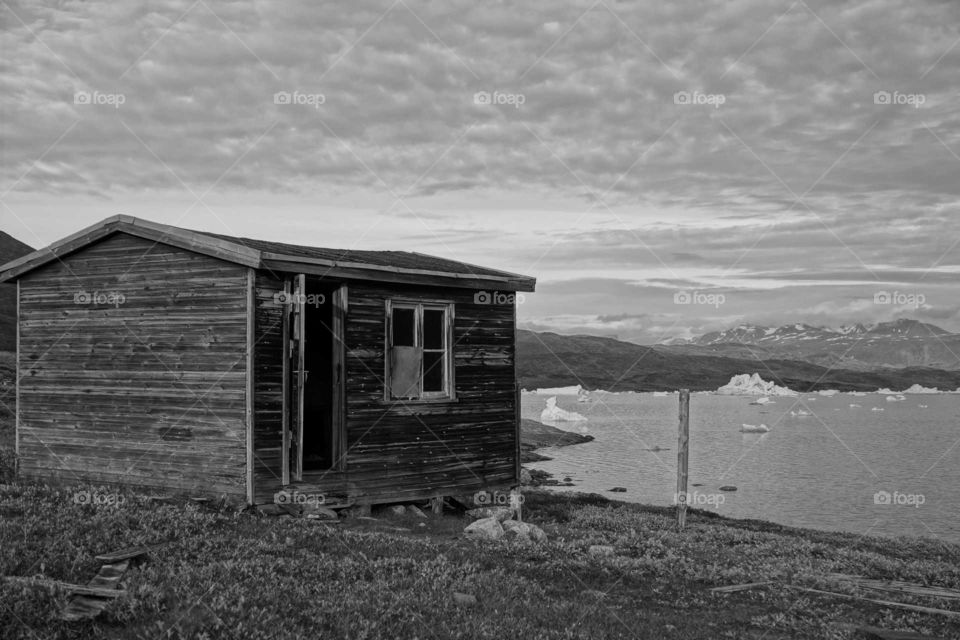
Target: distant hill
902,343
551,360
10,249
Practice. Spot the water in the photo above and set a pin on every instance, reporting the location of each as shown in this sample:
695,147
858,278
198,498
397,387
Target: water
821,471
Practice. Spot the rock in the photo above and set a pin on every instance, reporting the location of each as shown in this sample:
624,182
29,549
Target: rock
593,594
421,524
484,529
464,599
359,511
619,490
415,511
523,532
525,477
568,479
316,512
728,487
600,550
397,510
270,510
500,513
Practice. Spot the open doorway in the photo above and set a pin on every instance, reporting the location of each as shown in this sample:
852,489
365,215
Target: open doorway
316,363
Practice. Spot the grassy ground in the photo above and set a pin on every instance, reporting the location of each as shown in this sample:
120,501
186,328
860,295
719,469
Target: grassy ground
235,575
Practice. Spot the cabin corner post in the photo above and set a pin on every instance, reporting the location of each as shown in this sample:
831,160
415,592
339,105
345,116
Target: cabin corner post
16,391
251,381
516,401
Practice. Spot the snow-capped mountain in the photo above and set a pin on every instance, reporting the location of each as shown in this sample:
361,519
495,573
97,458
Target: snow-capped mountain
901,343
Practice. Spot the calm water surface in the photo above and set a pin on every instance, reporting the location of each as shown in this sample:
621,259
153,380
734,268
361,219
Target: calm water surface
822,471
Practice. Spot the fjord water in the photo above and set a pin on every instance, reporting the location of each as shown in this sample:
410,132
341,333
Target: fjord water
827,470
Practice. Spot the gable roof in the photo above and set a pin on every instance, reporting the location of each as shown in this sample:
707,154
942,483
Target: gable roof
390,266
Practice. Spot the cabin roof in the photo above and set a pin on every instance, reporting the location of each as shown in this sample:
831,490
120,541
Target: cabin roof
393,266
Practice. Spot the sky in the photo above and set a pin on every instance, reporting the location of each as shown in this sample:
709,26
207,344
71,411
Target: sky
663,169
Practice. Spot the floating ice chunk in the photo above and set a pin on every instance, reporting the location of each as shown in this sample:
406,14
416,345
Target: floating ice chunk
553,413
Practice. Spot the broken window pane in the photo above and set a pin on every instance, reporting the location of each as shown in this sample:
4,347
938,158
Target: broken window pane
404,327
433,371
432,329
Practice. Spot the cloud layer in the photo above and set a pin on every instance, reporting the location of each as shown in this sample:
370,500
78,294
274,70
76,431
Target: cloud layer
794,157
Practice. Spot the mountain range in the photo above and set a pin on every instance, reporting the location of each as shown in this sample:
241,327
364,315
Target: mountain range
547,359
897,344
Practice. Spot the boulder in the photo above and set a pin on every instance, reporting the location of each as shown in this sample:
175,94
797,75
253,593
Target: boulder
526,477
484,529
397,510
523,532
619,490
500,513
464,599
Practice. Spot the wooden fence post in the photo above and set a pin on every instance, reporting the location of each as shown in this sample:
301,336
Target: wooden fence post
683,451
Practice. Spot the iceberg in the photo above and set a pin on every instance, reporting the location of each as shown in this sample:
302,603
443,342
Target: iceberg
553,413
763,401
896,398
583,395
854,405
916,388
660,394
746,384
560,391
886,391
857,393
876,409
754,428
800,413
828,392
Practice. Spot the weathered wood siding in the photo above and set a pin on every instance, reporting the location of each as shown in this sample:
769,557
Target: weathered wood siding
145,391
268,386
397,449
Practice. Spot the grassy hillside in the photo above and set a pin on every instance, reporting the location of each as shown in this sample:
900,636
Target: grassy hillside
10,249
549,360
228,575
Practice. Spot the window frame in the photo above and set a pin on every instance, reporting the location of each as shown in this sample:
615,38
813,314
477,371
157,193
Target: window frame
419,305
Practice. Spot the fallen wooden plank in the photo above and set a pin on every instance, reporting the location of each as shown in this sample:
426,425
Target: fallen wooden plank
124,554
81,607
733,588
77,589
885,603
899,586
876,633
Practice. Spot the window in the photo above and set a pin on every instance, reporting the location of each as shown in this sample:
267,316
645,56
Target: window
419,351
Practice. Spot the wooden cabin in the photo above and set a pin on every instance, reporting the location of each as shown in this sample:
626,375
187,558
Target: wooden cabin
192,362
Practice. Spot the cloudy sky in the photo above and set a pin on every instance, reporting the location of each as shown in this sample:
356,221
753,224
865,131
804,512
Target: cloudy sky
764,161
